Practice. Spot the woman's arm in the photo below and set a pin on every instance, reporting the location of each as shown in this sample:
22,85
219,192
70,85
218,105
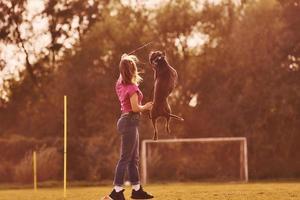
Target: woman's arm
135,104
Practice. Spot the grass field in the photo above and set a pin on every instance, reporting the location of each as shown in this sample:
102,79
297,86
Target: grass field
180,191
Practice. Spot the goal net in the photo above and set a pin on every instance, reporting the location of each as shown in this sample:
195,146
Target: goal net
216,159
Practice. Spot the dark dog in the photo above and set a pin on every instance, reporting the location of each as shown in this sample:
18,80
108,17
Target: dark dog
165,79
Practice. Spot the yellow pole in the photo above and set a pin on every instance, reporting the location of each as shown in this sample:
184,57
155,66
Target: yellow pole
65,146
34,172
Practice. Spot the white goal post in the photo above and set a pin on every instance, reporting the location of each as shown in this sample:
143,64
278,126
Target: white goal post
241,140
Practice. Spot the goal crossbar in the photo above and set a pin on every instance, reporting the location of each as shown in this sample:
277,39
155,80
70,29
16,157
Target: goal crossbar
243,151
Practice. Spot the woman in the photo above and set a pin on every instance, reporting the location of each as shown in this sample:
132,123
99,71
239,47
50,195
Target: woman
130,98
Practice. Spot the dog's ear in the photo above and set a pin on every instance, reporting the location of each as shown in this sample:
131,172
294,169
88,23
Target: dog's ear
152,59
150,56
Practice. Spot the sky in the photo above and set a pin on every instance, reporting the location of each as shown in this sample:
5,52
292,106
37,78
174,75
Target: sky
155,3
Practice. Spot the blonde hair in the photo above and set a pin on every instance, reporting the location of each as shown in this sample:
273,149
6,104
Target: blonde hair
128,69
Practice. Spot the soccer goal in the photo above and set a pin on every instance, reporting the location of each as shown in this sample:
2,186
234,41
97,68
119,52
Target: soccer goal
240,142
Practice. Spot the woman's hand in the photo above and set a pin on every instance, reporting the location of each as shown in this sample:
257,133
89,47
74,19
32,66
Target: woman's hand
124,55
148,105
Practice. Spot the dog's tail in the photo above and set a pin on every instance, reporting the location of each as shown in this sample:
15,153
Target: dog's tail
176,117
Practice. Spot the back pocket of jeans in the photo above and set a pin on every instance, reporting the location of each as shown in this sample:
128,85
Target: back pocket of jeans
125,125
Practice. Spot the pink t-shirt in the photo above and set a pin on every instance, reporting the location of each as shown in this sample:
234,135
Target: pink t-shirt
124,92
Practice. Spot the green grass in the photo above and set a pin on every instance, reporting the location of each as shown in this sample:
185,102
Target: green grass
180,191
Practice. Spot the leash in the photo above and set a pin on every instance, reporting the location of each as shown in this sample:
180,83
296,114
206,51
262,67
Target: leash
135,50
141,47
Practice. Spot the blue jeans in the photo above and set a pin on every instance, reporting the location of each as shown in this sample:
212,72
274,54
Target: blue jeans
129,155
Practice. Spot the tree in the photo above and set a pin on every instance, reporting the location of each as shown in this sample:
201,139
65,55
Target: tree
64,21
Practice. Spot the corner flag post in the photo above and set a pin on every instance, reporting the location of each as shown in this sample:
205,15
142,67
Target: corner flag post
65,146
34,172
